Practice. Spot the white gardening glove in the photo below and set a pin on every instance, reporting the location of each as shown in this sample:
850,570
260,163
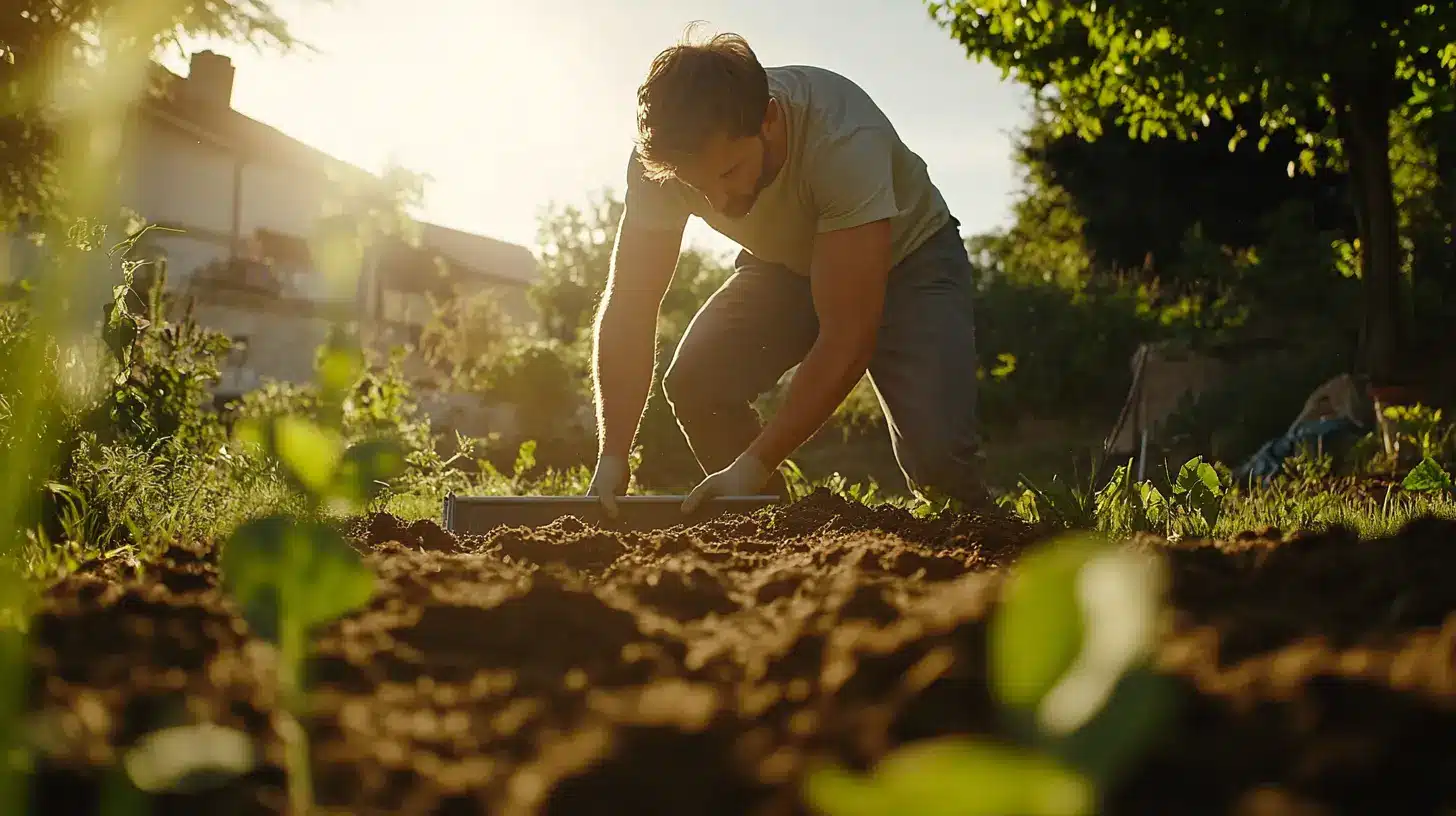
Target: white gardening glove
608,482
745,477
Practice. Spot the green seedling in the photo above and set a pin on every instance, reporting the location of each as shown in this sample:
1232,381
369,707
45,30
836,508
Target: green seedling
1070,504
289,576
1420,428
953,777
1198,492
800,486
1194,503
930,503
1125,506
1070,646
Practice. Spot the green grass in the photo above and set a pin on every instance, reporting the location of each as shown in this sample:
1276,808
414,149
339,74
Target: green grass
128,501
1291,503
1291,508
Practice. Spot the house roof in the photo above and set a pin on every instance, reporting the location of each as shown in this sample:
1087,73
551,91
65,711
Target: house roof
479,255
226,127
478,251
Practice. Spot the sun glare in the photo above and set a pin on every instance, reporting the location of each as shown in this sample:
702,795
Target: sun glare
510,106
493,101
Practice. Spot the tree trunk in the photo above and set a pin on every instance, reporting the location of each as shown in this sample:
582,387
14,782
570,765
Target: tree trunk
1363,108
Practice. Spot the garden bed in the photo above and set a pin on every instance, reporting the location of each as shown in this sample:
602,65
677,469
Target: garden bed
566,670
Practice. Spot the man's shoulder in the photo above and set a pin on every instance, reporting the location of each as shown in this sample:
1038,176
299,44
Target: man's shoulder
812,75
825,102
638,182
814,84
660,202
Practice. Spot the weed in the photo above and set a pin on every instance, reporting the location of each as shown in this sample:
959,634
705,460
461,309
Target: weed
1428,476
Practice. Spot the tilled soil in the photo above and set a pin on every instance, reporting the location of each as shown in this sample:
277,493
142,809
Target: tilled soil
566,670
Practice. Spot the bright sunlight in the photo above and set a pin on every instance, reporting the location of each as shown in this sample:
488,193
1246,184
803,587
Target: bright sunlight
511,105
1132,491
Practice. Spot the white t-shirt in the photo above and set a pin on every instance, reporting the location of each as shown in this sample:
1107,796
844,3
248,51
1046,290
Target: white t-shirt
845,166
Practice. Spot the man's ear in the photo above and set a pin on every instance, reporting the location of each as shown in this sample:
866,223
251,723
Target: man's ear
771,115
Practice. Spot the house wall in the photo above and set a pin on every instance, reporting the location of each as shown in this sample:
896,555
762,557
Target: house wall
282,198
186,180
513,301
181,179
273,345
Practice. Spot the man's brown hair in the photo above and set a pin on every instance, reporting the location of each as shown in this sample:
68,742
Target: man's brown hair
694,90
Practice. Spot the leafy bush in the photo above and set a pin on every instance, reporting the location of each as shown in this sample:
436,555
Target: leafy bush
166,367
1052,349
141,384
548,379
380,403
144,457
463,335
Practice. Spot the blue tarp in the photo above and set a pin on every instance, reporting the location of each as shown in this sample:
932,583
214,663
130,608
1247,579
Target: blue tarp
1266,463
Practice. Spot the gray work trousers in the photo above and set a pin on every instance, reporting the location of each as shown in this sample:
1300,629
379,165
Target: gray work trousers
762,322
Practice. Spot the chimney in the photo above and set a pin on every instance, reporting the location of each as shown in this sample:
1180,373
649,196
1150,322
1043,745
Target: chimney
210,80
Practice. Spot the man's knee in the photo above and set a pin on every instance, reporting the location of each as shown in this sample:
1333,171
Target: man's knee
690,385
951,467
944,467
677,381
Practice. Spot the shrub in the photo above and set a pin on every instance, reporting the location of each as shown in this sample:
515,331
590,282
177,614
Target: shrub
548,378
1051,349
140,384
381,404
166,368
463,336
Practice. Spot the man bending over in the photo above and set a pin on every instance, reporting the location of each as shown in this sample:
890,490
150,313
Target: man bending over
851,262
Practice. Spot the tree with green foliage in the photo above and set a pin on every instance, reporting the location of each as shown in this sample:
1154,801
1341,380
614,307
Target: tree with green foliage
1228,196
575,250
1335,73
43,42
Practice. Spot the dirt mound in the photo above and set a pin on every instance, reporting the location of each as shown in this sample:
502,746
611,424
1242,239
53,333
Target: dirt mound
565,670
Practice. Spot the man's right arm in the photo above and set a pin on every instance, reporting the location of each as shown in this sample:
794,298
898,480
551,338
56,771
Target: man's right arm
644,258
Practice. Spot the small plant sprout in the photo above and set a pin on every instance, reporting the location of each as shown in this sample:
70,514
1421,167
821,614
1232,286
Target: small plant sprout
1123,505
953,777
290,575
1194,503
1198,494
1419,429
1071,647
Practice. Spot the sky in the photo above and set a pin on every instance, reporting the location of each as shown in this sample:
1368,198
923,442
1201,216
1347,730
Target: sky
512,106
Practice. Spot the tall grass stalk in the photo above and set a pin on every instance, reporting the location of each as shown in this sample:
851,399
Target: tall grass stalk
90,138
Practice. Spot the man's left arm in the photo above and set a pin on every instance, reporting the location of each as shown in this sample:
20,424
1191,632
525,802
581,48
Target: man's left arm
848,278
854,191
853,185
